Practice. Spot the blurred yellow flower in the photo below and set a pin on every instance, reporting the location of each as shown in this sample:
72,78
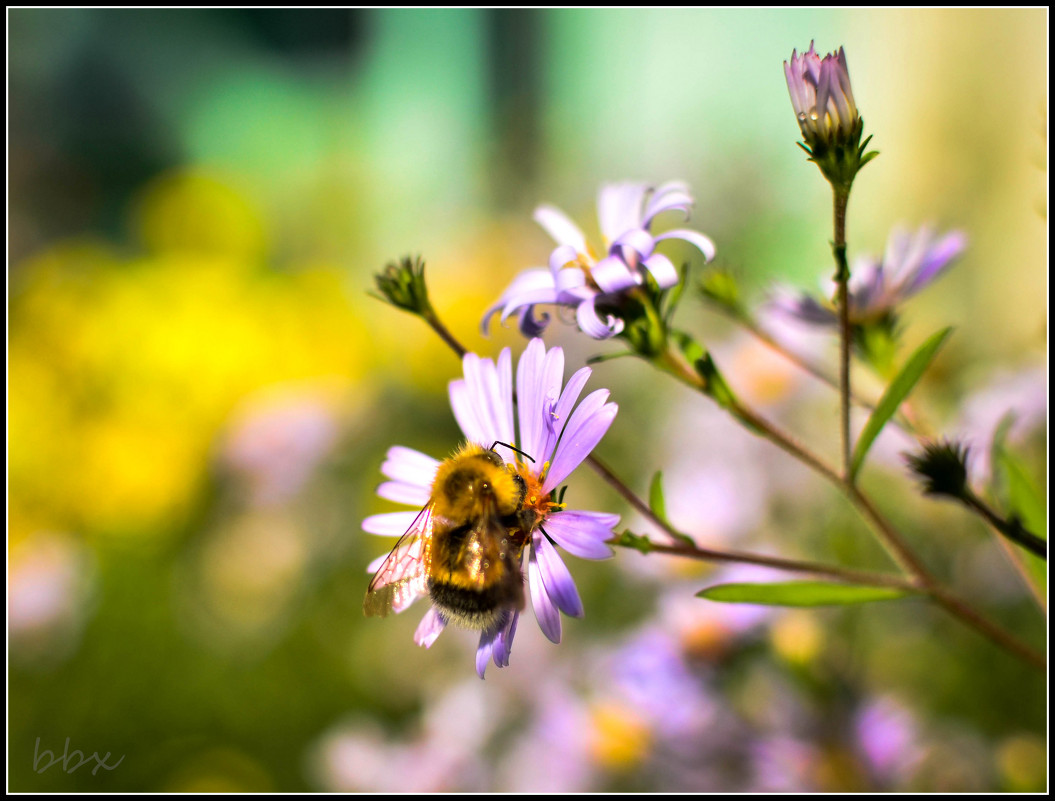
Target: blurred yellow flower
123,370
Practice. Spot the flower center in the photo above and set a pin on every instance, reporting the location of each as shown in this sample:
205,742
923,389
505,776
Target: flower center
534,499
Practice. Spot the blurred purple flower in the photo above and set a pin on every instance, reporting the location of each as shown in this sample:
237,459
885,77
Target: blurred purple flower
1020,397
877,287
557,438
650,674
886,735
553,753
821,95
783,764
577,278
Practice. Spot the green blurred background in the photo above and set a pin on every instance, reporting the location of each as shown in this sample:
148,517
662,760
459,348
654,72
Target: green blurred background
201,391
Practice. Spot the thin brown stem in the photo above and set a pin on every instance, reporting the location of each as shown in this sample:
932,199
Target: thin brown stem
692,551
923,582
842,278
888,535
437,325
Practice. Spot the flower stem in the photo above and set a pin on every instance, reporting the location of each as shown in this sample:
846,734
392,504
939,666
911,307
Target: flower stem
430,317
906,420
923,583
841,196
1012,529
681,548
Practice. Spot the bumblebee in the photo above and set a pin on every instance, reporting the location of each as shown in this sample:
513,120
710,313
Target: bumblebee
464,549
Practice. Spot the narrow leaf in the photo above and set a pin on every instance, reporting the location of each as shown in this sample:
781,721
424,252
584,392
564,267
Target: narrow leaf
1024,497
800,593
656,502
1028,503
895,393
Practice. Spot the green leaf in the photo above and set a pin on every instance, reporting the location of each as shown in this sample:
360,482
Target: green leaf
1028,503
656,502
689,347
895,393
800,593
1023,496
675,293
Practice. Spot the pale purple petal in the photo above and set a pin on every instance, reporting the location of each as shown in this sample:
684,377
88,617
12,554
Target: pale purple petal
582,534
559,417
619,208
673,195
528,281
466,413
528,287
559,226
484,413
545,611
483,652
399,492
530,298
409,466
539,376
569,281
592,325
801,308
898,245
503,644
633,246
662,270
694,238
430,627
482,380
587,425
870,292
555,577
390,524
560,258
612,275
937,259
376,563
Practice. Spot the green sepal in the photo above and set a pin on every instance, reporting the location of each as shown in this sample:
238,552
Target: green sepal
628,539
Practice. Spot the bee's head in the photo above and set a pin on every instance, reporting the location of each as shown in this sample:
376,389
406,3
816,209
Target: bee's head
474,484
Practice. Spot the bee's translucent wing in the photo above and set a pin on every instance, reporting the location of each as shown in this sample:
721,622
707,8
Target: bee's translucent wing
402,578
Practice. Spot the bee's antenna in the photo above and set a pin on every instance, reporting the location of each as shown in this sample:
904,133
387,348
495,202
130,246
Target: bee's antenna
512,448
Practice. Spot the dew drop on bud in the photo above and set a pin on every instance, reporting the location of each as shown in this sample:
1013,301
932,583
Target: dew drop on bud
802,116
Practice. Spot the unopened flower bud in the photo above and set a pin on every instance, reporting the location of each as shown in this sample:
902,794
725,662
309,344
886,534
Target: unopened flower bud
827,115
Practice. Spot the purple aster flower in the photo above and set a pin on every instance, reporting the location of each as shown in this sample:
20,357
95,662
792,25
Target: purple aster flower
877,287
821,95
577,278
556,439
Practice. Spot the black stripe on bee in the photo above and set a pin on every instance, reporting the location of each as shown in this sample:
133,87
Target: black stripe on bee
474,609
